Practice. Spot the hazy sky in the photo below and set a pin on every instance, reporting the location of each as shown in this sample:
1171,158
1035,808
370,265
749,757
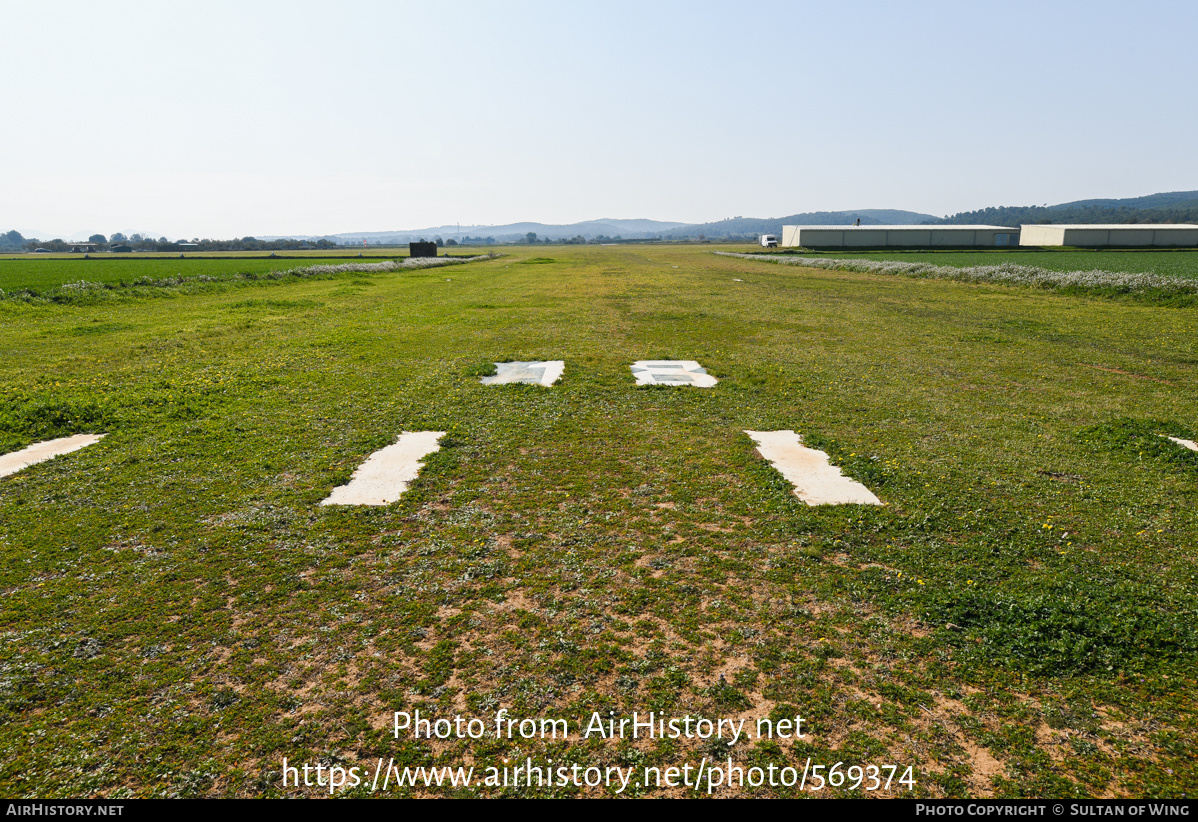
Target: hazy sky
224,119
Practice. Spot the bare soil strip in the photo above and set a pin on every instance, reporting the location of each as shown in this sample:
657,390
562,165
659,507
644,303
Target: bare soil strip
531,373
816,480
672,372
1193,446
42,451
385,475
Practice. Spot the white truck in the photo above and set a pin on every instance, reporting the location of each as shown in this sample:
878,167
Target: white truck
769,241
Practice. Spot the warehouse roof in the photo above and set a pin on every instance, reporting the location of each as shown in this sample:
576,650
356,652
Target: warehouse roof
905,227
1112,226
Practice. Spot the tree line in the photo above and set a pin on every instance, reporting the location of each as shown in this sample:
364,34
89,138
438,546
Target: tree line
1031,215
13,241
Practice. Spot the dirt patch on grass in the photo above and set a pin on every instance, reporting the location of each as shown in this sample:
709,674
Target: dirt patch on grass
1129,374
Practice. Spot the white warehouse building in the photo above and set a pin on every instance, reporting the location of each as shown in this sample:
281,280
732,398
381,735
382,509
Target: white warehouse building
899,236
1117,235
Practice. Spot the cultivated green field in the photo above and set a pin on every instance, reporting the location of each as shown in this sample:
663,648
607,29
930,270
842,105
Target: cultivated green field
1166,262
179,614
29,272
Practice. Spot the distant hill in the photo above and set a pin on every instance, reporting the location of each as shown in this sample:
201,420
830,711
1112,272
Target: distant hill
590,229
1165,207
1169,207
738,227
1170,198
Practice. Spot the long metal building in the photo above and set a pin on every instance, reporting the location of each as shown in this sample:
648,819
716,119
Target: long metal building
899,236
1126,235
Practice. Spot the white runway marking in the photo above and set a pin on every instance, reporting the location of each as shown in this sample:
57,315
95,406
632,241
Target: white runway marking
385,475
672,372
41,451
816,480
1193,446
532,373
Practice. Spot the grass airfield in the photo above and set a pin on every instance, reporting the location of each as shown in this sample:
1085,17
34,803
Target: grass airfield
179,613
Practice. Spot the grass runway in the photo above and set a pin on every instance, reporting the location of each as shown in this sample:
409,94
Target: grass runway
179,613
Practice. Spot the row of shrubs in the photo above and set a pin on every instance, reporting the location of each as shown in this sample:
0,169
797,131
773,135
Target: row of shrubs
1155,287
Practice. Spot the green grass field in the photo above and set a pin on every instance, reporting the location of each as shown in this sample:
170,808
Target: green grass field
38,275
179,613
1166,262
